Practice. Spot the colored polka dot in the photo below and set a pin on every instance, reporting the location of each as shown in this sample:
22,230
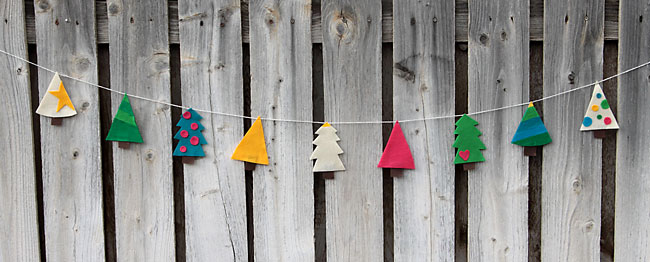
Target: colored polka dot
194,140
184,133
194,126
183,149
604,104
594,108
187,115
587,121
599,117
599,95
607,120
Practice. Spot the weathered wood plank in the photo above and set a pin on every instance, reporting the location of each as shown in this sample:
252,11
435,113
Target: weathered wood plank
139,56
352,92
211,75
72,187
498,76
281,87
18,221
536,23
571,180
423,86
632,232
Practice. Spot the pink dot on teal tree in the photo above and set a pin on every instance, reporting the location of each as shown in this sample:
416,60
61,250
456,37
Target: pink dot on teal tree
467,142
190,139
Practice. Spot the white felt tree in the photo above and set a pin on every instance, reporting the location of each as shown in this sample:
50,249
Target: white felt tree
327,150
599,116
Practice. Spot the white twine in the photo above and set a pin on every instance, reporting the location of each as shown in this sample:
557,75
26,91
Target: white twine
321,122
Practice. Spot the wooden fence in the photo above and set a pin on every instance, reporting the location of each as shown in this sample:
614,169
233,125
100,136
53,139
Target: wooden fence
68,195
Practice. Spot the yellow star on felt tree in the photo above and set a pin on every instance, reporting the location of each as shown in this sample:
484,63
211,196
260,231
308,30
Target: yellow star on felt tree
56,101
64,99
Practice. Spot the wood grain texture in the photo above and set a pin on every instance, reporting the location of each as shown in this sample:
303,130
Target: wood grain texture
211,76
139,56
281,87
18,219
571,179
72,186
498,76
536,23
632,232
423,86
352,92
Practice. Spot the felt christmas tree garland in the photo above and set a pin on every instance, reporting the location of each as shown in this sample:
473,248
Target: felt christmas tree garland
531,132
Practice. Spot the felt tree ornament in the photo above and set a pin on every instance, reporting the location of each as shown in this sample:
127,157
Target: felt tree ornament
124,129
397,154
531,132
468,143
327,152
190,139
56,103
599,116
252,148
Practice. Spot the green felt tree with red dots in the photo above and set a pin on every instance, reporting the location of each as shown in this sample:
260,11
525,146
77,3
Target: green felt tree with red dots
190,139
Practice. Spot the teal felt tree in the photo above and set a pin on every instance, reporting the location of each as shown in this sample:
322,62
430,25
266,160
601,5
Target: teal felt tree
124,129
190,139
468,142
531,132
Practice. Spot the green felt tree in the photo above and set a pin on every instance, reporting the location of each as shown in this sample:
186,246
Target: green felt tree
468,142
124,128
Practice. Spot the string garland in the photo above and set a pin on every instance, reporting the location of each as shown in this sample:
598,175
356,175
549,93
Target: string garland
322,122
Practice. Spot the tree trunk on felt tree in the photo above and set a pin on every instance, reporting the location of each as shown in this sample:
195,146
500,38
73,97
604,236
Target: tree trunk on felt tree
531,132
468,143
56,103
252,148
190,139
124,128
327,152
397,154
599,116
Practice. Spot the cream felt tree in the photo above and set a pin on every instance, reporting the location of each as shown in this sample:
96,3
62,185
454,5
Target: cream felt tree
599,115
327,151
56,103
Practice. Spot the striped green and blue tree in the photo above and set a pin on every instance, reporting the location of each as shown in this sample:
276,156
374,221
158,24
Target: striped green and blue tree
124,129
531,132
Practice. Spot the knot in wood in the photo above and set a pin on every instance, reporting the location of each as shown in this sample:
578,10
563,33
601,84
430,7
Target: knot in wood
572,77
577,186
149,155
483,39
504,36
81,64
75,154
43,6
85,105
343,26
435,20
589,226
159,62
114,9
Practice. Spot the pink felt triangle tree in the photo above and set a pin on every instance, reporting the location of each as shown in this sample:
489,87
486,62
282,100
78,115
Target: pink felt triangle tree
397,154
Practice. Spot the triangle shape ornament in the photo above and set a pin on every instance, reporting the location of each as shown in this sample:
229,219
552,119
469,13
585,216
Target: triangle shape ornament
56,102
599,115
252,148
124,127
397,153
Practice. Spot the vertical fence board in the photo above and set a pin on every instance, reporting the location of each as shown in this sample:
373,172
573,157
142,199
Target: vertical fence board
18,221
571,181
498,76
423,86
352,92
281,84
632,232
71,153
139,57
211,75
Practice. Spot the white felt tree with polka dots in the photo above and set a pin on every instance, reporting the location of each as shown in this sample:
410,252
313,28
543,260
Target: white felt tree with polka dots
599,115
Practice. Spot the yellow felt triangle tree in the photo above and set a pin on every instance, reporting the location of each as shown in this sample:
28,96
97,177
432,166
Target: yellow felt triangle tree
252,148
